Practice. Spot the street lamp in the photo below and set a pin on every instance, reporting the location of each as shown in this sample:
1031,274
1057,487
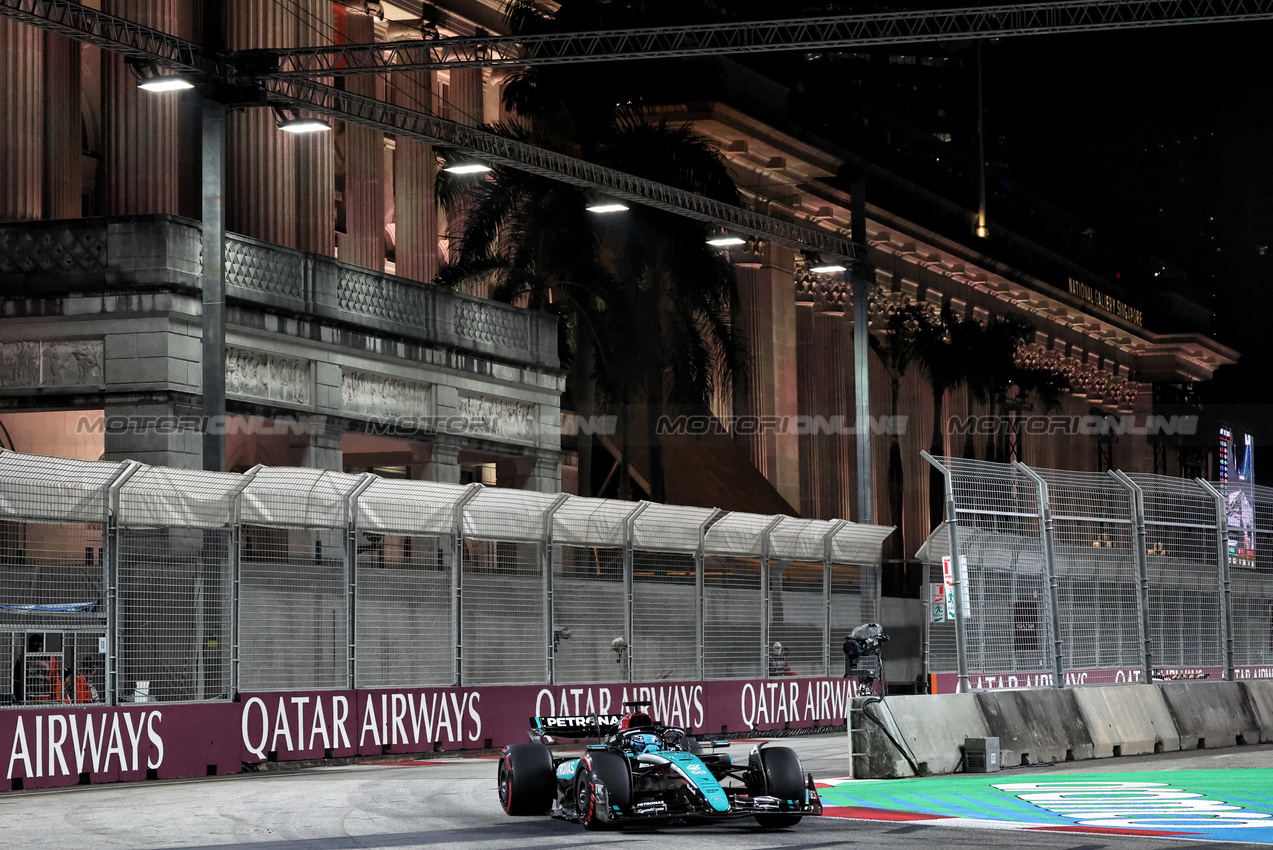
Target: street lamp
165,83
467,168
303,125
828,268
726,241
604,206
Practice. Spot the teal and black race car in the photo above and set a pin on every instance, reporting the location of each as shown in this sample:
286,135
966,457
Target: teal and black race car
644,771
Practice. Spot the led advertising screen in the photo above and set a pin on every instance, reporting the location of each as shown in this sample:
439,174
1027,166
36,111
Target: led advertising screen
1237,482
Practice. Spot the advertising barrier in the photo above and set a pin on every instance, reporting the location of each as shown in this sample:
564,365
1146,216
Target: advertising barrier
67,746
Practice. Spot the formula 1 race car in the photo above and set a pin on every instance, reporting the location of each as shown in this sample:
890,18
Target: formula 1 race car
644,771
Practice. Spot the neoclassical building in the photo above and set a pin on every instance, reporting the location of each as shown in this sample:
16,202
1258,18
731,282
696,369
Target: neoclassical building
341,354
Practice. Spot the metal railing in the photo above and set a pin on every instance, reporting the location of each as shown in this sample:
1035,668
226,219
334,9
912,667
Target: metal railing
1095,578
154,584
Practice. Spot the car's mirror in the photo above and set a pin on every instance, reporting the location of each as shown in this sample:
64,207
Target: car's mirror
718,745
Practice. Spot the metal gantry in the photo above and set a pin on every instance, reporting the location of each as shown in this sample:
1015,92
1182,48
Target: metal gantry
818,33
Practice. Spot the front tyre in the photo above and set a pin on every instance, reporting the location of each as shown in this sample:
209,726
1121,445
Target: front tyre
527,781
601,768
780,775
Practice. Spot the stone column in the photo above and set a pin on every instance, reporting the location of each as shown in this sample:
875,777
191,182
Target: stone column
768,324
153,432
63,182
322,451
830,347
415,205
260,160
364,242
465,105
139,128
444,461
810,405
316,152
21,120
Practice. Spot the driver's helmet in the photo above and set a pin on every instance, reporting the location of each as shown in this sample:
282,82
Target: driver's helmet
645,743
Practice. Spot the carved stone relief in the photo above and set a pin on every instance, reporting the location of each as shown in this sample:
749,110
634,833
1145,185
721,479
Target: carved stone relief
382,396
61,363
270,377
498,417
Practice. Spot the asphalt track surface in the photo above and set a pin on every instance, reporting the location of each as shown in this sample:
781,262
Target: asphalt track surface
452,803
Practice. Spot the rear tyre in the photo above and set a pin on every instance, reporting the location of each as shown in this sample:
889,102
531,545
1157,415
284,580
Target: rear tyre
610,770
779,775
527,781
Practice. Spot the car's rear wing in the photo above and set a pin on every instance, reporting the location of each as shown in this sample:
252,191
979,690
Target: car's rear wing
574,726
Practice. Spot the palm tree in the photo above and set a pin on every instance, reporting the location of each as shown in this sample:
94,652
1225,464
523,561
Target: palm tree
645,301
905,328
946,369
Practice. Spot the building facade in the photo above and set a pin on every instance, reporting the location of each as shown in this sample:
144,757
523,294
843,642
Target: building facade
342,354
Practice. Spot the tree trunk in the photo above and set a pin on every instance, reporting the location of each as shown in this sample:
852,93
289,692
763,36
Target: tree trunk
896,484
625,454
970,449
586,401
653,413
937,448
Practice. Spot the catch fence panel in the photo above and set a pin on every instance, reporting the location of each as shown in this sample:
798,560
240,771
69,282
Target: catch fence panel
589,603
403,616
1008,626
1097,582
293,613
1184,581
51,573
664,616
797,619
503,633
1251,596
175,585
732,616
503,626
293,581
402,620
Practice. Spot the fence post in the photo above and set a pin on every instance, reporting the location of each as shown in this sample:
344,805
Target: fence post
1141,546
700,559
351,579
1049,560
546,558
957,573
827,539
235,544
1226,583
765,538
457,582
110,574
629,530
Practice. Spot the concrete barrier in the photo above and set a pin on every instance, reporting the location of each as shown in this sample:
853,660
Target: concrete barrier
1211,714
932,727
1260,696
1040,726
1127,720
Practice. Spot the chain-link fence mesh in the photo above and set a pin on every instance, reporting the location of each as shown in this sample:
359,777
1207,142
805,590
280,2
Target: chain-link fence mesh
1185,618
665,616
1008,618
1094,540
403,616
589,601
187,585
1251,597
1094,549
293,580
